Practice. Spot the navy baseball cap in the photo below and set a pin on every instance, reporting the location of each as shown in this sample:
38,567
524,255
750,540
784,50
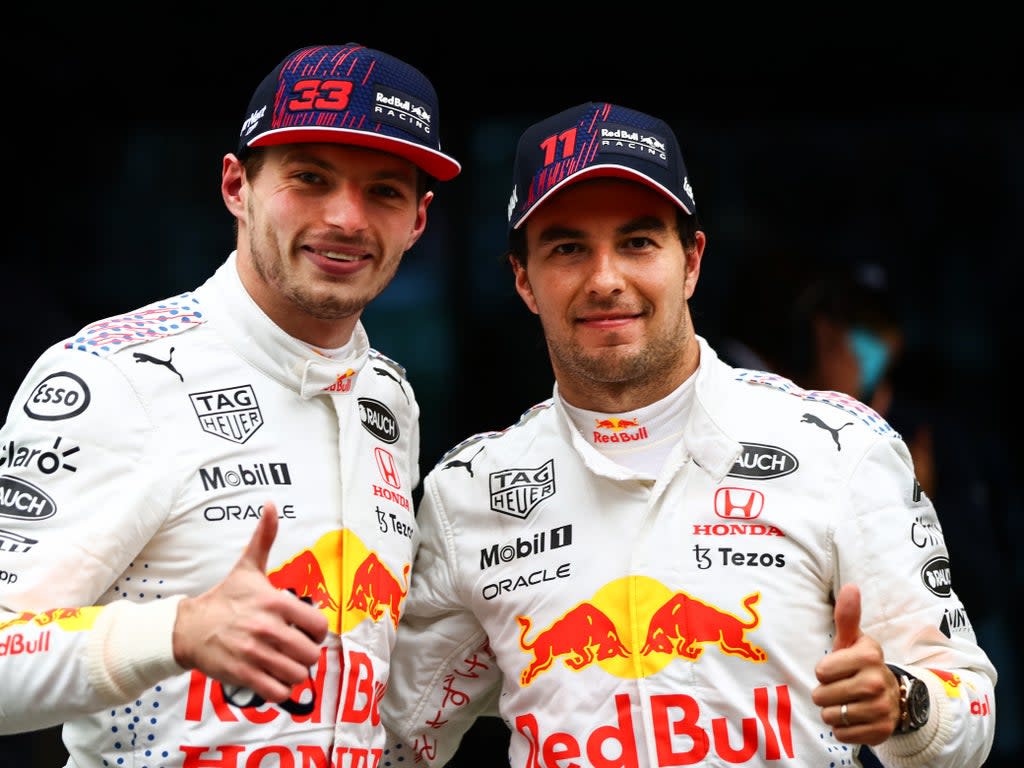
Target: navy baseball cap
349,94
596,139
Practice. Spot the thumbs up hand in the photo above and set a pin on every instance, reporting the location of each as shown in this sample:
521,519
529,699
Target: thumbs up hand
847,617
245,632
858,695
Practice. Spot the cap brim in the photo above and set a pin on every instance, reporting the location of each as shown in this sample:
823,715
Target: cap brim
599,171
437,164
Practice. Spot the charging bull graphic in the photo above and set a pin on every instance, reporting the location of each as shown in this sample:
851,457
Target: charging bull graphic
374,586
674,625
584,634
687,623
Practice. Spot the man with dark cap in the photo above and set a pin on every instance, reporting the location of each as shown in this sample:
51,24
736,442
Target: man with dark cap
146,453
672,561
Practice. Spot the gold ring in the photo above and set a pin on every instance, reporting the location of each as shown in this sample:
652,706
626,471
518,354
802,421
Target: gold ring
842,716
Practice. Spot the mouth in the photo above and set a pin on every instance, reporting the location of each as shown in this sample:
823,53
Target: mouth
348,255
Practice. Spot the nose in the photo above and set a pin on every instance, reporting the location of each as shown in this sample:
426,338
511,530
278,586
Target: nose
345,208
606,275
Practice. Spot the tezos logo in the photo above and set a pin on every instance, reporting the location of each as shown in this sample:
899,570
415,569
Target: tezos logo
378,420
60,395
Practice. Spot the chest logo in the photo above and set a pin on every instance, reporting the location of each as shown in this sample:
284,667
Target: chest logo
378,420
232,413
518,491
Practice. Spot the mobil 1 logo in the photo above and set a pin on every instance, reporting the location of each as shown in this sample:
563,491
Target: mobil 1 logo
257,474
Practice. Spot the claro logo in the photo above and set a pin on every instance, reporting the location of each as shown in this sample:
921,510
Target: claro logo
22,500
763,462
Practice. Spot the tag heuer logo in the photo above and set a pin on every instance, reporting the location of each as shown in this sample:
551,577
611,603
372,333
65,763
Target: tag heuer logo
231,413
516,492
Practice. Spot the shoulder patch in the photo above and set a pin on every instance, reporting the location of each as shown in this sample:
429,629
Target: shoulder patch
849,405
154,321
528,414
378,357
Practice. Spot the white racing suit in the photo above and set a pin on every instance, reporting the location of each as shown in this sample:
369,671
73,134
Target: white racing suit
134,464
617,622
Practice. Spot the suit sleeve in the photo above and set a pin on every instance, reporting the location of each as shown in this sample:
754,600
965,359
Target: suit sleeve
77,504
892,547
443,672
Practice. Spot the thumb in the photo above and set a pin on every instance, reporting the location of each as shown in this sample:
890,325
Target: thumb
263,536
847,616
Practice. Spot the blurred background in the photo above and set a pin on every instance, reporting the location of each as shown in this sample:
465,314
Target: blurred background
851,148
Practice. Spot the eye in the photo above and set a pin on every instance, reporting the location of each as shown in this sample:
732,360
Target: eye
387,190
566,249
309,177
639,242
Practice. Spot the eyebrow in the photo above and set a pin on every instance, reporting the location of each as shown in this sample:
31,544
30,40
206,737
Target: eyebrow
646,223
398,174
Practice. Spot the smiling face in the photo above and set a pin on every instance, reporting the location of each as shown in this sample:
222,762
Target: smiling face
609,278
321,231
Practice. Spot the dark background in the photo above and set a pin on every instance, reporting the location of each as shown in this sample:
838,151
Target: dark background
815,140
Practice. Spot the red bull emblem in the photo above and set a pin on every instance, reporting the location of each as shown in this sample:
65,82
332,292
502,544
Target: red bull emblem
677,626
374,586
67,618
950,681
619,429
584,635
342,382
684,624
304,576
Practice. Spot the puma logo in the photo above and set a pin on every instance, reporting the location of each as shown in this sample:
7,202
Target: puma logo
810,418
142,357
467,464
390,375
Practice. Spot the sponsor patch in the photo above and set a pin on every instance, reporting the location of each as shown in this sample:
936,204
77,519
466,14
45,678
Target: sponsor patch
61,395
232,413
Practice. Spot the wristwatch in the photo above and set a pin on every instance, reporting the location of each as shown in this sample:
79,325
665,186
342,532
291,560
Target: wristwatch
915,702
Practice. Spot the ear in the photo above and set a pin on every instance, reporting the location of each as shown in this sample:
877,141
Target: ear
523,287
232,179
420,224
693,261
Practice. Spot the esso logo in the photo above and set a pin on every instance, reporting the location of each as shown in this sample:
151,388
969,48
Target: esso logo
60,395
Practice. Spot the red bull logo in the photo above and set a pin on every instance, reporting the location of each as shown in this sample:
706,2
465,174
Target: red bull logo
375,590
685,624
584,635
683,734
70,619
345,580
13,643
950,681
619,430
304,576
342,382
677,625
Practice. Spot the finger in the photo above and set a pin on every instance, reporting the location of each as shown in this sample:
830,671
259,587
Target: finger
258,549
307,618
847,617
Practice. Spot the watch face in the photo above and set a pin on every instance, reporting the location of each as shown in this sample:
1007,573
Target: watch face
918,704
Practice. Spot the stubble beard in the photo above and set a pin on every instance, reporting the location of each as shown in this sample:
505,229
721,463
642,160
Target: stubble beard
331,300
647,367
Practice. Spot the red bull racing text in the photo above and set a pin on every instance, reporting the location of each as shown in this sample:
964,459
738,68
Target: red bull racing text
679,736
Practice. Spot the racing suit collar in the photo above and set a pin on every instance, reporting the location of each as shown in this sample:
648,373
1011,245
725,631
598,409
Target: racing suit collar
256,338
